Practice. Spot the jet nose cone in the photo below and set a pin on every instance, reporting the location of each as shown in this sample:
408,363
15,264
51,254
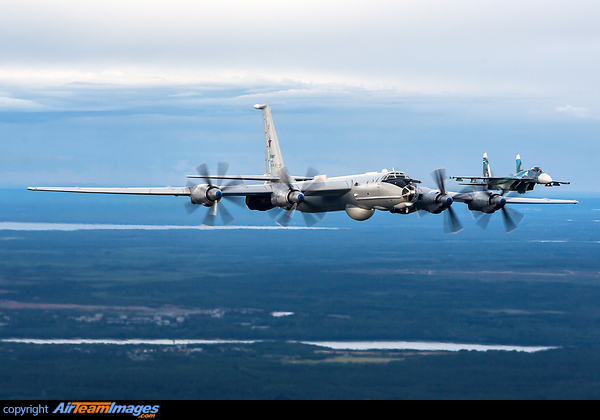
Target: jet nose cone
544,178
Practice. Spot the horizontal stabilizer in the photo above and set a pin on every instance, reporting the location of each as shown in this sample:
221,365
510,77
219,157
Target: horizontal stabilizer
269,178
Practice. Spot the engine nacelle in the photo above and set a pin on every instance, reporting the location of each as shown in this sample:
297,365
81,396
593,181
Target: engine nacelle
486,202
286,198
434,202
358,213
206,195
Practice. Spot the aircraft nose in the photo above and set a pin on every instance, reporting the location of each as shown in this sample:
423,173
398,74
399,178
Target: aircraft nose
544,178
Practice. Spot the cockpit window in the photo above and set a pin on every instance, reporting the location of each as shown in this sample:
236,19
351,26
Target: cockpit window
537,169
399,179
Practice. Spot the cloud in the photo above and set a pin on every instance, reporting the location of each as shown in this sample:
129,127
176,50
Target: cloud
580,112
436,47
15,104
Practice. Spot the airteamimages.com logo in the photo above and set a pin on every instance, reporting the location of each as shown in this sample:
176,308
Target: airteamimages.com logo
142,411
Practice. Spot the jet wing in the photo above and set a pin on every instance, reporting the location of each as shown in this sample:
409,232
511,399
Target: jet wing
487,179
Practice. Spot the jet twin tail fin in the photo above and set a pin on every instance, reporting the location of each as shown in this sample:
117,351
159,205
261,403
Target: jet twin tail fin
487,171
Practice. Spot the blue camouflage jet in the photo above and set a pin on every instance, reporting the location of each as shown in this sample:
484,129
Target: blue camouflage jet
521,182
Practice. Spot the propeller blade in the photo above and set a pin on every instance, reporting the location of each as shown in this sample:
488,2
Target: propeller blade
274,213
190,207
222,168
309,219
509,223
204,173
225,215
283,175
451,222
287,216
517,216
422,213
511,218
320,216
311,172
314,183
439,175
233,183
211,215
483,221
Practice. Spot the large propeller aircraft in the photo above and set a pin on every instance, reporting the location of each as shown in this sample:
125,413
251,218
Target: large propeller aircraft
314,195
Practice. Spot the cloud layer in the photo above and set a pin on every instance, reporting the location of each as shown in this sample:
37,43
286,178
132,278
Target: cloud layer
431,47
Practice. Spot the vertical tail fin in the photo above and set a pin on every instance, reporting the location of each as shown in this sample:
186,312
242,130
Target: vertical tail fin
273,157
519,164
487,171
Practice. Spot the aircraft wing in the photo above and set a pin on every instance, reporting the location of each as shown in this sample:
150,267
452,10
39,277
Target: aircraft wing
249,177
523,200
487,179
318,189
465,197
176,191
237,190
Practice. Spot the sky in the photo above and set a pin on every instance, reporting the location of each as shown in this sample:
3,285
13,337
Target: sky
138,93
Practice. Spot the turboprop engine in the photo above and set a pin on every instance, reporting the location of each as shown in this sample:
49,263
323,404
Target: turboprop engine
484,203
206,195
438,201
487,202
434,202
209,195
286,198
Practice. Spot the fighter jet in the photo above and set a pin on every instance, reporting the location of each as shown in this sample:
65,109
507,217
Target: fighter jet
313,195
521,182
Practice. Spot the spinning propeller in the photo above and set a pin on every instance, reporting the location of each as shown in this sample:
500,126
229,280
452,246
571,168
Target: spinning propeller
510,217
451,222
211,196
295,196
484,203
